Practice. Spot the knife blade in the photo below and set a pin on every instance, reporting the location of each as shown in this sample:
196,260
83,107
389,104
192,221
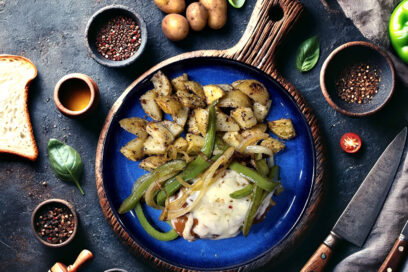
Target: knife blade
359,216
397,253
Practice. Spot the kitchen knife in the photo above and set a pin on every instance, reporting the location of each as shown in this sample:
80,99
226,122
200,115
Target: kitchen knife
355,223
397,253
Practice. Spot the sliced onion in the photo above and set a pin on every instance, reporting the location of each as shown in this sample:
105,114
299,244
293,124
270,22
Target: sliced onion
258,149
182,182
251,140
271,161
151,191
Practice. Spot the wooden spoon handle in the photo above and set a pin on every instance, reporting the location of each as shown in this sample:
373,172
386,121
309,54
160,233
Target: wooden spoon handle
321,257
84,256
396,256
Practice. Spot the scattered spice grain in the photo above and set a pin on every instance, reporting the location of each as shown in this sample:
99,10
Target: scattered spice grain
118,39
54,223
358,83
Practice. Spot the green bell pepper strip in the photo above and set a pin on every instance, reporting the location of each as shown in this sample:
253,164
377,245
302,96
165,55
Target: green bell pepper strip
274,173
144,182
262,167
199,164
261,181
161,236
398,30
256,201
246,191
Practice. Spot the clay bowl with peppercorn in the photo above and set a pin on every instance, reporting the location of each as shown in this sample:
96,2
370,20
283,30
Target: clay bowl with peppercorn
357,79
116,36
54,222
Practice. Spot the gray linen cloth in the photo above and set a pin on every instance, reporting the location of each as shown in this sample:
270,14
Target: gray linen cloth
371,18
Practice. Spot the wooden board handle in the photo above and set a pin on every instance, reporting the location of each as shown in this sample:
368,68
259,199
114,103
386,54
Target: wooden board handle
270,22
395,257
321,257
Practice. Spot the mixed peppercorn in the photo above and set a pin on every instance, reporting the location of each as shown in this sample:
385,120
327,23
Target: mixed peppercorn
54,224
358,83
118,39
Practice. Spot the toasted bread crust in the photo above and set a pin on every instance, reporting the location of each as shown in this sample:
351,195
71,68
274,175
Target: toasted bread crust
30,154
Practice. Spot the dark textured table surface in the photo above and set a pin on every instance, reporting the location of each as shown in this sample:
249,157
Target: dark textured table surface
51,34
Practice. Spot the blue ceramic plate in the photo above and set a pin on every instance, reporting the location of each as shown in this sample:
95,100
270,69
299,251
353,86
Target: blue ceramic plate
297,163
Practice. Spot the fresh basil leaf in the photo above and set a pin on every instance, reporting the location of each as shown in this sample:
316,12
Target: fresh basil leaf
308,54
237,3
66,162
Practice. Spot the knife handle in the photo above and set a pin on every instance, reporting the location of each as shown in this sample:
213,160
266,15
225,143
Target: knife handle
321,257
396,255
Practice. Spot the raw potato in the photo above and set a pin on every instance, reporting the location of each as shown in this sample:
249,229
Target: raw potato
273,144
171,6
244,117
180,144
217,12
283,128
175,27
133,150
212,92
261,111
254,89
169,104
197,16
153,147
160,133
135,125
234,99
152,162
195,143
161,83
149,105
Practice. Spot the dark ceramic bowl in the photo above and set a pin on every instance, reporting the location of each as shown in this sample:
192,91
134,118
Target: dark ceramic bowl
52,203
102,16
351,53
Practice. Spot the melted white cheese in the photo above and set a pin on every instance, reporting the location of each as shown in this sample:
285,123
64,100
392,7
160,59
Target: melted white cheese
220,216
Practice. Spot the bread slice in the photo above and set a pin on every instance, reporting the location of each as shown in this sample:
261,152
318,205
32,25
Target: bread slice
16,133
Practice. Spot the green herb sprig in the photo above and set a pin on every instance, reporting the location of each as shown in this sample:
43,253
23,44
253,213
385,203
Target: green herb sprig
308,54
66,162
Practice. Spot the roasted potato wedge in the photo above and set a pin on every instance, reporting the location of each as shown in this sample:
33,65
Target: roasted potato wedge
234,99
195,88
195,143
180,144
178,82
226,87
135,125
161,83
173,127
181,117
232,138
169,104
193,125
160,133
259,128
190,100
152,162
212,92
283,128
254,89
153,147
150,106
261,111
244,116
201,118
133,150
273,144
225,123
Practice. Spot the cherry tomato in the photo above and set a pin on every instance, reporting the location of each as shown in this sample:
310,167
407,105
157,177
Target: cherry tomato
350,142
